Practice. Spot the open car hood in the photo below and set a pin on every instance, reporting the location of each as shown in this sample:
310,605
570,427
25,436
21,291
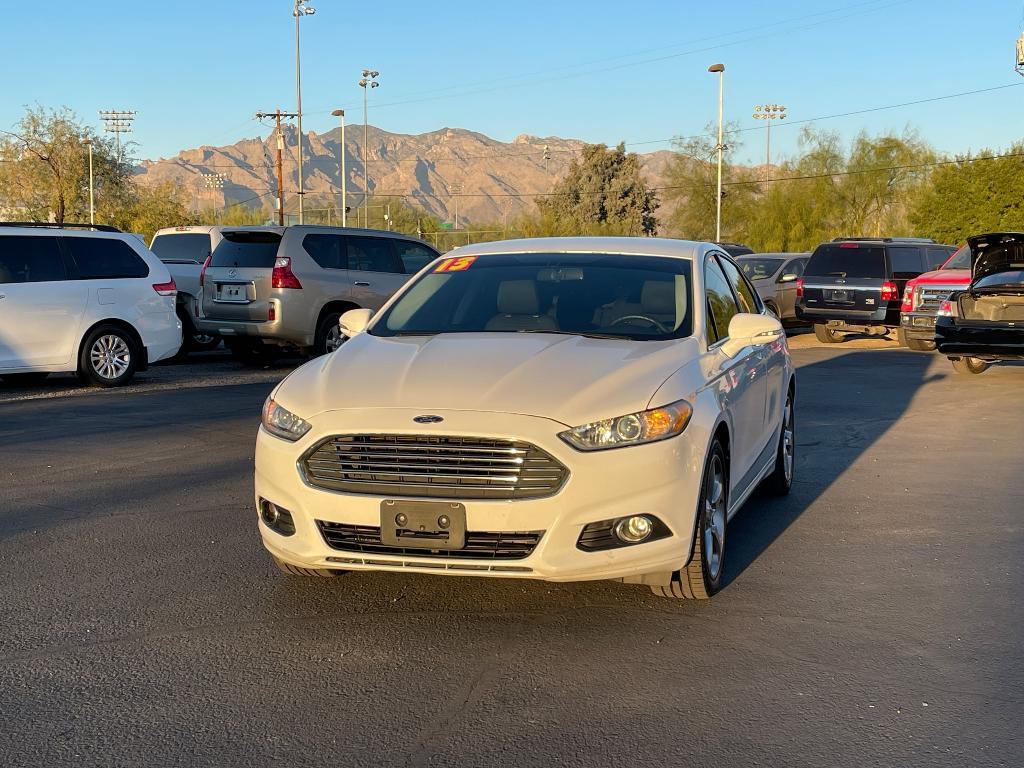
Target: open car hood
995,252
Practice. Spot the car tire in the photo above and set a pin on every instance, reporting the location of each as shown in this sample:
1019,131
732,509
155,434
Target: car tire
328,335
780,481
702,576
970,365
294,570
109,357
200,341
920,345
24,379
825,335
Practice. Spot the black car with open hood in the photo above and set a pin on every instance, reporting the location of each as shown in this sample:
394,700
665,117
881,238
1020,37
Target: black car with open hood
985,323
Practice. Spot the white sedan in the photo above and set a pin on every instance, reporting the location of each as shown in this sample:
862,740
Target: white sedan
562,409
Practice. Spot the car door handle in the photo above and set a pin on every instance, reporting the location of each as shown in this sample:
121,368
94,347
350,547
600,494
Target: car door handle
364,285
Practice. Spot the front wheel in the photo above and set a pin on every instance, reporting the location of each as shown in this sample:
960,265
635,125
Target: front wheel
780,481
970,365
108,357
328,334
702,576
826,335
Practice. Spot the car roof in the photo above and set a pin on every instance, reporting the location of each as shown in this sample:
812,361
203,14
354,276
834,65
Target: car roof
638,246
56,231
773,255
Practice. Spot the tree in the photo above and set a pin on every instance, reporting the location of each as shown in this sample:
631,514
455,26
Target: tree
602,193
44,168
975,194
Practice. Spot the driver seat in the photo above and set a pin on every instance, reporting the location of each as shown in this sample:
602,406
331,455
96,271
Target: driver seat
519,309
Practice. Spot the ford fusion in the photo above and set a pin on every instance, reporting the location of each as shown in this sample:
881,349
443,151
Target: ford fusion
564,409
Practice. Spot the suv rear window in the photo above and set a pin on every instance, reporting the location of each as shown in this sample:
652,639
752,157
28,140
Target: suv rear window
101,258
847,260
246,249
183,248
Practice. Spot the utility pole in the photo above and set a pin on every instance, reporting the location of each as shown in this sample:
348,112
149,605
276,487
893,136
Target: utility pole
117,121
720,147
343,180
300,10
457,190
278,115
368,81
92,203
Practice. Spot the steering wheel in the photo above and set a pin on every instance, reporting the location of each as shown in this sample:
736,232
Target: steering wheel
645,318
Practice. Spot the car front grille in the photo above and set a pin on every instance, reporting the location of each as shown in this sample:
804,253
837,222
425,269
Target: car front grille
480,545
433,466
929,298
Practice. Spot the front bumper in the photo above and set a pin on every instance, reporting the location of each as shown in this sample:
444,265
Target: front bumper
661,479
918,325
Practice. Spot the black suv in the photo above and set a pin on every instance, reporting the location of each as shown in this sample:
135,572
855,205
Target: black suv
855,284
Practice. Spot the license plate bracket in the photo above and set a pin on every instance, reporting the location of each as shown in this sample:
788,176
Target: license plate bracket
423,524
840,296
237,292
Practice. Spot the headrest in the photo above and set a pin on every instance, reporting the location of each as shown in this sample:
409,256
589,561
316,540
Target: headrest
518,297
658,297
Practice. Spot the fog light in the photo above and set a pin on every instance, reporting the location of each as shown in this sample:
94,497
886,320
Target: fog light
276,518
633,530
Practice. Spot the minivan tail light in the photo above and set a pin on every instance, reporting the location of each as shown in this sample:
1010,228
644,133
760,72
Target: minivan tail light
799,287
202,272
166,289
908,299
889,291
282,276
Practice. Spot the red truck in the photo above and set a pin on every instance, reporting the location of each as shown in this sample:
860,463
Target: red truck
923,295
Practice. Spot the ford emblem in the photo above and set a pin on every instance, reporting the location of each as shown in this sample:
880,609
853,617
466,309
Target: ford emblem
232,272
427,419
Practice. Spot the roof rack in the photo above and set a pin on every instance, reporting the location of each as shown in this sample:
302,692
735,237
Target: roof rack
884,239
65,225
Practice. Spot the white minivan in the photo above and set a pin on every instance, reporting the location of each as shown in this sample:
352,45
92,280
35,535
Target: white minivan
92,300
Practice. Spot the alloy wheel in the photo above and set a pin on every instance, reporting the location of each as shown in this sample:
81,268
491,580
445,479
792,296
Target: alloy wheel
714,518
110,356
788,440
334,338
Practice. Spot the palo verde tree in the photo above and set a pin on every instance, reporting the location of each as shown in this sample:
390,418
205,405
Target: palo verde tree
602,193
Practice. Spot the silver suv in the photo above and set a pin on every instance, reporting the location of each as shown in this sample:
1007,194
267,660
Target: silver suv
287,286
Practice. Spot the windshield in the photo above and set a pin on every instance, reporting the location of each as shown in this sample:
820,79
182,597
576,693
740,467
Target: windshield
607,295
961,258
758,269
847,260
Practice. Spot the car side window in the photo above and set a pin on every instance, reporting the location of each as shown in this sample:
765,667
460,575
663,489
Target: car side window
721,304
795,267
328,251
372,254
905,261
105,258
414,256
741,288
936,257
27,259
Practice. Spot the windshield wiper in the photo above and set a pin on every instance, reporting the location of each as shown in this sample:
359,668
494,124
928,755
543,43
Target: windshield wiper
415,333
586,334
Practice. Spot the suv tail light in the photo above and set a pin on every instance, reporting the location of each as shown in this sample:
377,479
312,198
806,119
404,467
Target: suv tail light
282,276
166,289
799,287
908,299
947,309
889,292
202,272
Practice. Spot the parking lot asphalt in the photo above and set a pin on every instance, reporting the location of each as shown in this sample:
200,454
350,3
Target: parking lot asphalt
873,617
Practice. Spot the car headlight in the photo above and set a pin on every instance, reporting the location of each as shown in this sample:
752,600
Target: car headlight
631,429
281,422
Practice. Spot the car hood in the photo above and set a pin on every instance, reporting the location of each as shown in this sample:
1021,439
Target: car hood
995,252
943,277
571,379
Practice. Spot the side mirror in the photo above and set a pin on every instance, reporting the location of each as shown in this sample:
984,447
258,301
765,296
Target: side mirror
789,277
746,330
354,322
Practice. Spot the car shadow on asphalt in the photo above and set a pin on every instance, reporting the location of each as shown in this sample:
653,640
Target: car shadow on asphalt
844,405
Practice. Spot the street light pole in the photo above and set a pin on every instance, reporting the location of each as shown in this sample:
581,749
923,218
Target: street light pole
720,69
343,182
368,81
92,203
768,112
300,10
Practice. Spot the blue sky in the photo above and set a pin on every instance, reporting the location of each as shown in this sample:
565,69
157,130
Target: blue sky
197,71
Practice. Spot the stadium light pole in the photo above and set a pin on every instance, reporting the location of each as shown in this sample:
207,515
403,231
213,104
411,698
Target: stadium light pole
300,10
92,202
368,81
341,167
768,112
720,147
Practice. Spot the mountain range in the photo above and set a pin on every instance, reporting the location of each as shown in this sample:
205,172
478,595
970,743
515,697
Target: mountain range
447,172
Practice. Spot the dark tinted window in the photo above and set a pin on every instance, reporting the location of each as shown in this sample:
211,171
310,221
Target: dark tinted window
847,260
103,258
326,250
414,256
721,304
188,247
25,259
246,249
937,256
740,287
371,254
905,261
